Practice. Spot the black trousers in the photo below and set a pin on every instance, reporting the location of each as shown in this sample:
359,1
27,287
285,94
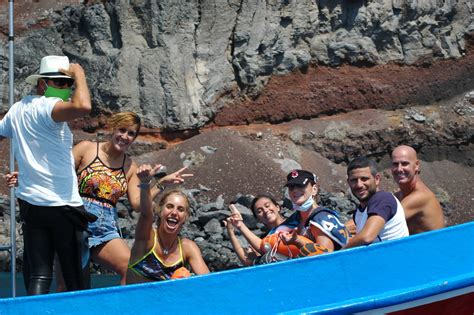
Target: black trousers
46,231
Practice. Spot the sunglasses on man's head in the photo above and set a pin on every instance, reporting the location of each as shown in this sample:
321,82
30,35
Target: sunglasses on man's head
61,81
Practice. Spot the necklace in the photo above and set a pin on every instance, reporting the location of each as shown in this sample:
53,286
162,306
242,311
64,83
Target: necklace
164,250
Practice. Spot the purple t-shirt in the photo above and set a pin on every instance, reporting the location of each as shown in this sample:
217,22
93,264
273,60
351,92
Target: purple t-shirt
383,204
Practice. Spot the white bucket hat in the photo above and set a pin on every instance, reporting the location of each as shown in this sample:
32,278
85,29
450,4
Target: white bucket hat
49,68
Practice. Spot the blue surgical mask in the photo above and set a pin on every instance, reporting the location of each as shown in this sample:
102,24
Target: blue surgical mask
63,94
307,205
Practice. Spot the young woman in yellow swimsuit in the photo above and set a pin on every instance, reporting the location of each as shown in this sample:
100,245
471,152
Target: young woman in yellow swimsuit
159,253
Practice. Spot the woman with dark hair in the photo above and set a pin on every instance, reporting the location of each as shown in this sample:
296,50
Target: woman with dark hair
159,253
310,230
267,212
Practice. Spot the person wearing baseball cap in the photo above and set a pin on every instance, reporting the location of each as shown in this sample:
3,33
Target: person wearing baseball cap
50,206
300,177
320,224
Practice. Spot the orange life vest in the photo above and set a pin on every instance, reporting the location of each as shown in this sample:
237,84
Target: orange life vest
312,249
274,240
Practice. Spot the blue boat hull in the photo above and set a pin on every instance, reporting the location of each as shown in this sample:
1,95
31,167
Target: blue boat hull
386,277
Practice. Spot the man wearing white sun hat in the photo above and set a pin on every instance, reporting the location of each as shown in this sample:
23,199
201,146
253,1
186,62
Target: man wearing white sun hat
50,206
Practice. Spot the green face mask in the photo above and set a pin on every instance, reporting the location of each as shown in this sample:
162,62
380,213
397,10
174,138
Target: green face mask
63,94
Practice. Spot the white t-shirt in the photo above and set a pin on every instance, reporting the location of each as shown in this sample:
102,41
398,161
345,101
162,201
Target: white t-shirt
42,148
384,204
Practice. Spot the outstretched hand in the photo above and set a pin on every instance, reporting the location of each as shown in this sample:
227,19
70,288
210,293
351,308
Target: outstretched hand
228,225
235,219
177,177
145,172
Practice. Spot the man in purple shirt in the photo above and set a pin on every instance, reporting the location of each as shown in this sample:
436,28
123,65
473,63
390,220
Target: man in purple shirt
379,216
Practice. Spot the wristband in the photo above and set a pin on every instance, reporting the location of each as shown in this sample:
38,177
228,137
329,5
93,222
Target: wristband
144,185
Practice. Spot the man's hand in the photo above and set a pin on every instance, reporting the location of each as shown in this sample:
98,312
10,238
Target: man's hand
75,71
12,179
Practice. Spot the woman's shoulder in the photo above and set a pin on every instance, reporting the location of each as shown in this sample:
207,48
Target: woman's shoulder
84,151
187,241
189,246
85,144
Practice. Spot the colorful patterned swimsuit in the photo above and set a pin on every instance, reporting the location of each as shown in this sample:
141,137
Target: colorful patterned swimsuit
151,267
101,187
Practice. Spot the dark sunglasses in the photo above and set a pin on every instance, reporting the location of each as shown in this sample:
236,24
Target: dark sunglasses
61,81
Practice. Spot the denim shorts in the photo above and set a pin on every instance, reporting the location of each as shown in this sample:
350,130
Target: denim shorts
105,228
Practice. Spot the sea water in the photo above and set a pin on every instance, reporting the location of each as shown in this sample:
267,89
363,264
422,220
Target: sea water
97,281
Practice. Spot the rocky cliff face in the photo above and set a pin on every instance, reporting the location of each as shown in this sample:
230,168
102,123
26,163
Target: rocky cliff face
178,63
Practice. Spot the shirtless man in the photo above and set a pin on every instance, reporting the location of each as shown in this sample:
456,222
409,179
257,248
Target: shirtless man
422,210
